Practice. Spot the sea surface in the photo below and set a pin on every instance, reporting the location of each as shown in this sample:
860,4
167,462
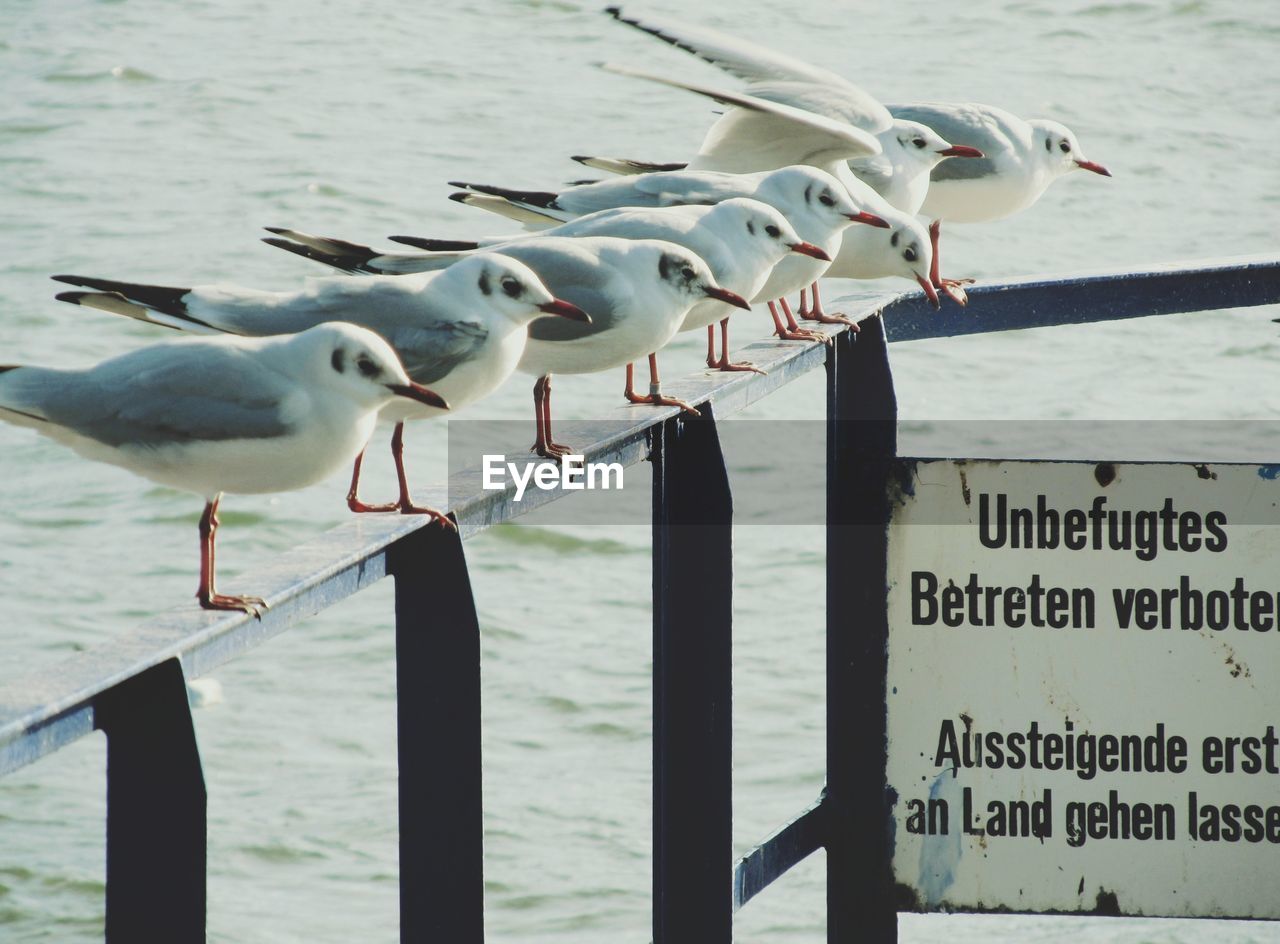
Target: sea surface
149,141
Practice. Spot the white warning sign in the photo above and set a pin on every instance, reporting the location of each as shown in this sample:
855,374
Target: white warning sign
1084,687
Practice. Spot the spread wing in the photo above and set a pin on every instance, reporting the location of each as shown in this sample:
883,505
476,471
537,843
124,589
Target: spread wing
811,135
739,57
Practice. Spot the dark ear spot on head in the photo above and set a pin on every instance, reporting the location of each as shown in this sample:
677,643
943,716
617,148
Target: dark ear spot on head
1048,145
808,194
338,360
485,287
664,267
751,227
893,240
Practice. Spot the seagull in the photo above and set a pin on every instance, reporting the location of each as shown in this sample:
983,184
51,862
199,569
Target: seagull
221,414
745,136
813,201
1014,161
757,140
638,292
740,239
461,331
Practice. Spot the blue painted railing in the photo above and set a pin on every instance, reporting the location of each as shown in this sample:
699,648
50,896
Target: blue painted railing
133,688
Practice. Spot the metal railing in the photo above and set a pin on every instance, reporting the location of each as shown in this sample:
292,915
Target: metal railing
133,687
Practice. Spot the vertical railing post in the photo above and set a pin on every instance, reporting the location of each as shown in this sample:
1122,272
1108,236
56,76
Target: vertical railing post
692,686
861,438
438,722
156,810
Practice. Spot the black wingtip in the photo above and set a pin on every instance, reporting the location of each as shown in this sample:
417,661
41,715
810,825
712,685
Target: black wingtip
5,368
459,197
69,279
278,230
435,245
459,183
72,297
614,11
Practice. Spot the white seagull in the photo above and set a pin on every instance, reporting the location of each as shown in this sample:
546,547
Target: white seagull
814,202
740,239
1014,161
462,331
214,415
747,138
759,138
637,291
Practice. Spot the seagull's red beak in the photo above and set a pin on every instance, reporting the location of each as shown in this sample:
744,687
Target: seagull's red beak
1093,166
724,295
415,391
809,249
929,290
558,306
869,218
961,150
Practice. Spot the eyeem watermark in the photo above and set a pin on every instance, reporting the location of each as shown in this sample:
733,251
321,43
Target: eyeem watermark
572,474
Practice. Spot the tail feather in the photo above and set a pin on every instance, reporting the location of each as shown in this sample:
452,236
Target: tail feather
537,198
626,166
504,207
338,253
356,262
117,304
157,297
435,245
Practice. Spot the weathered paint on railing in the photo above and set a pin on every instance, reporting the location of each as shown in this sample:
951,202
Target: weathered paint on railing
130,687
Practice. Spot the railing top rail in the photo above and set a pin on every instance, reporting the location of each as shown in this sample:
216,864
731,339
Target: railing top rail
54,706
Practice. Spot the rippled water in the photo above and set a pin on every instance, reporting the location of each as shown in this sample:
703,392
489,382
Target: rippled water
149,141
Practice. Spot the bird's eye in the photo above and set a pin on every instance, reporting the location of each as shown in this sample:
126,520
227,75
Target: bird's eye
910,254
918,142
1064,147
773,231
688,273
827,200
511,286
367,367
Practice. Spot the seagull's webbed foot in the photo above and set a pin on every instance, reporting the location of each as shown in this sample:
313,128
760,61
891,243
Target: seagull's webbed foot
407,507
726,365
953,289
552,450
822,317
656,398
364,508
224,601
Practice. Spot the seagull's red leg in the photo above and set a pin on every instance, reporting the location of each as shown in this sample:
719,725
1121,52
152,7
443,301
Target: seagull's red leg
209,598
711,346
724,363
544,446
782,331
405,503
817,314
353,499
795,329
654,397
951,286
803,310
